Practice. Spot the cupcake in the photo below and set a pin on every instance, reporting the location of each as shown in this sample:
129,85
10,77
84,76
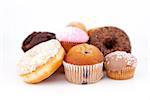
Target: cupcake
83,64
71,36
120,65
78,25
41,61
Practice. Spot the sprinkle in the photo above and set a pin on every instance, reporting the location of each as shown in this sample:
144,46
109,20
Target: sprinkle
127,57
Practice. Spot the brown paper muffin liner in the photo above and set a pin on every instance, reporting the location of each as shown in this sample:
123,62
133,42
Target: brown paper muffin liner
69,45
83,74
124,74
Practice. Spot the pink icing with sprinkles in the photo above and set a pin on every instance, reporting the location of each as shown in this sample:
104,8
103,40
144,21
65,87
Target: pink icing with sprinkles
72,34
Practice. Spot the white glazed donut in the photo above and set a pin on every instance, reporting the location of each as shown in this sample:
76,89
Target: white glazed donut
41,61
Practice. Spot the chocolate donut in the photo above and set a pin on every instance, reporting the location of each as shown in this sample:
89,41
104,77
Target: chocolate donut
36,38
110,39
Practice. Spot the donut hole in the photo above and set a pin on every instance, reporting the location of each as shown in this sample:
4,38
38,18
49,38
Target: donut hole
110,43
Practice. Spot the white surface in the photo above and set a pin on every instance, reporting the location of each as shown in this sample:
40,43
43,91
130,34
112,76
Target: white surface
18,18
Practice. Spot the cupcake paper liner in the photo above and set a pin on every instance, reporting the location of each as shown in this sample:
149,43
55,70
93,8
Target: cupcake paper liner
124,74
83,74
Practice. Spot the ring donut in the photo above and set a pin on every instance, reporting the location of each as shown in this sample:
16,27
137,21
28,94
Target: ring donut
110,39
41,61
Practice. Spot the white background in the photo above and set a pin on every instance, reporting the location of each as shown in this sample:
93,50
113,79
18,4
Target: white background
19,18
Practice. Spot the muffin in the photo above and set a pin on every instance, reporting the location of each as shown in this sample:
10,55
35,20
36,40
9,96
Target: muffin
35,38
78,25
71,36
83,64
41,61
120,65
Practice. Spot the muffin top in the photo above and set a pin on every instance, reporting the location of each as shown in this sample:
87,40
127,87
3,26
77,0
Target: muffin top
38,55
72,34
84,54
118,60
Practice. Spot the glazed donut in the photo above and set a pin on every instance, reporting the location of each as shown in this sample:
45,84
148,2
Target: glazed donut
109,39
41,61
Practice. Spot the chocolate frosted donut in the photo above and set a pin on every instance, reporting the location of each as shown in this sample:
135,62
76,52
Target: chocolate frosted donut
36,38
110,39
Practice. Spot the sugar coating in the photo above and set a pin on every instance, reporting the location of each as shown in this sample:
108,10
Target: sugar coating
38,55
72,34
120,57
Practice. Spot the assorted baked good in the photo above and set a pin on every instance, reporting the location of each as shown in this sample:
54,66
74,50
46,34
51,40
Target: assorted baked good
82,53
41,61
36,38
120,65
83,64
109,39
71,36
78,25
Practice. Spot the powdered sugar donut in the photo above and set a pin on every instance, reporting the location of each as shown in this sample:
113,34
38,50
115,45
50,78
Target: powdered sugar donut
41,61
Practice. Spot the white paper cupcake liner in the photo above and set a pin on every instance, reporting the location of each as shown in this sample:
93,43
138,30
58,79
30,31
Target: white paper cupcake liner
83,74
